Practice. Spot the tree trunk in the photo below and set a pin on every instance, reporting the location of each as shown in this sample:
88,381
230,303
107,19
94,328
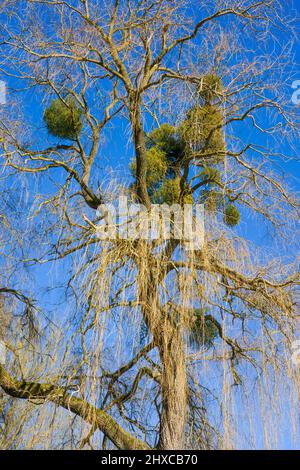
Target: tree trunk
174,390
140,153
168,338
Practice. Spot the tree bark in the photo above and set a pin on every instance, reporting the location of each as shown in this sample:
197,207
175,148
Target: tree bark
140,152
168,337
174,390
58,395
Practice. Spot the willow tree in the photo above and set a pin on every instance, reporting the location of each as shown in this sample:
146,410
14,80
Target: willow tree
191,97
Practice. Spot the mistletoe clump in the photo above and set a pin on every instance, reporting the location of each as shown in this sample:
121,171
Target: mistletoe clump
168,139
64,119
203,329
231,215
157,166
211,175
198,137
165,152
170,191
202,130
211,87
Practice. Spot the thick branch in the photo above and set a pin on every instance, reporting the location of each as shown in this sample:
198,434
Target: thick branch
58,395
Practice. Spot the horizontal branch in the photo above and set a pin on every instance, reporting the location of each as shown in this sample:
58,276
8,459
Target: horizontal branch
58,395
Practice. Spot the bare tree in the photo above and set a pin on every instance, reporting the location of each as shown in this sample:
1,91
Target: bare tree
203,106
